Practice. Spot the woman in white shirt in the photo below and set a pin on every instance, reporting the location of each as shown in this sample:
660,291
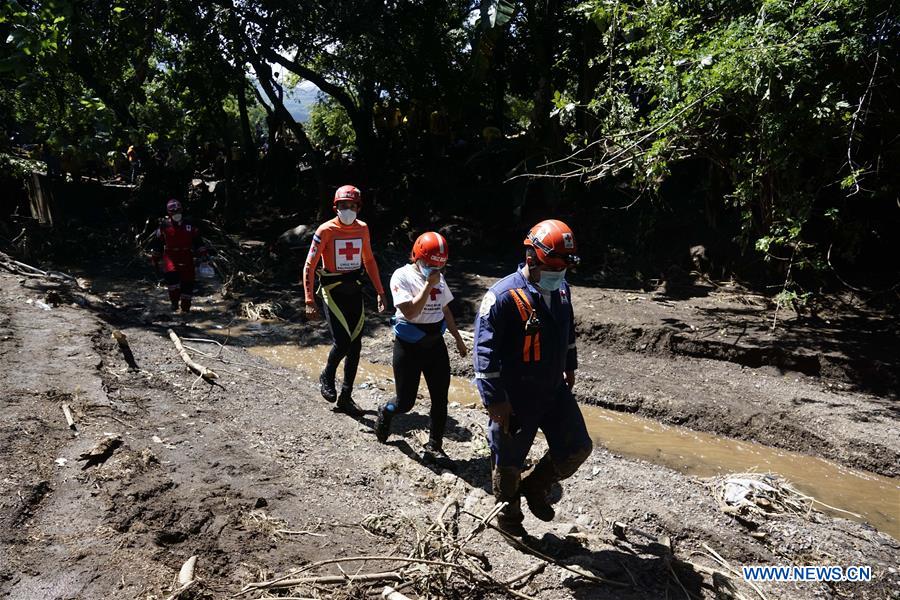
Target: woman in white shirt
421,297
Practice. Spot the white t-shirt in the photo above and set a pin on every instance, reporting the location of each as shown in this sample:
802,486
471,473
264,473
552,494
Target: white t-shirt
407,282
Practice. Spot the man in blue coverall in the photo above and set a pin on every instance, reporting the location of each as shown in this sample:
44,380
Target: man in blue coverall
525,360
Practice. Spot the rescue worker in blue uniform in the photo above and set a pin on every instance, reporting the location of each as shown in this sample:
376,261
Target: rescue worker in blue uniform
525,359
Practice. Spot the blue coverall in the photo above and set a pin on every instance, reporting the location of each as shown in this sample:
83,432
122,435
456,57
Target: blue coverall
524,364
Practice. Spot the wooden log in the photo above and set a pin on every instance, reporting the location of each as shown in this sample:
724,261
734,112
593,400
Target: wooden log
335,579
69,418
186,574
390,593
122,341
200,370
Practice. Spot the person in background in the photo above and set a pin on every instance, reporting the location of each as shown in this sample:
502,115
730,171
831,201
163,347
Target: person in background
176,244
422,297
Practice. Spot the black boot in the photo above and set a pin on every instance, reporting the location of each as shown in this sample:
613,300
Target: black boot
346,405
326,387
433,453
383,422
535,487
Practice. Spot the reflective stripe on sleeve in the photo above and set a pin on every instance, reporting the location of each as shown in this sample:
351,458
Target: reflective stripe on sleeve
492,375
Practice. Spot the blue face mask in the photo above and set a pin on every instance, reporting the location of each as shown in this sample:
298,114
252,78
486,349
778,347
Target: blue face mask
426,270
551,280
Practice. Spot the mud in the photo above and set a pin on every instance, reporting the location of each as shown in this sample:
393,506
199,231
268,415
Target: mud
217,471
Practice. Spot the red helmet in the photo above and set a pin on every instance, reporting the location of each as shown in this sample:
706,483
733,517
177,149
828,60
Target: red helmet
554,243
431,248
347,193
173,206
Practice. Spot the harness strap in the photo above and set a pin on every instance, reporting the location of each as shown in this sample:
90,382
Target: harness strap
328,298
531,347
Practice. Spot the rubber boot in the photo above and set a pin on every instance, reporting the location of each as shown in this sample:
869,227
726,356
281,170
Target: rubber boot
536,485
346,405
433,453
326,387
505,481
383,422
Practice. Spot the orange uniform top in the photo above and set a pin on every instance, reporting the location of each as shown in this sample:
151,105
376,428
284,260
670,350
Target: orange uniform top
340,248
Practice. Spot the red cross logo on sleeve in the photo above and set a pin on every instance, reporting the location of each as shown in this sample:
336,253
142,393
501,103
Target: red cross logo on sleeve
349,251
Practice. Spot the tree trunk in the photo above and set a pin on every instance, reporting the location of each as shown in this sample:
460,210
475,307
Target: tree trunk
249,146
265,78
542,18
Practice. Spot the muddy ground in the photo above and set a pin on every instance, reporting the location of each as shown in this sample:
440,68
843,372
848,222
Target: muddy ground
222,471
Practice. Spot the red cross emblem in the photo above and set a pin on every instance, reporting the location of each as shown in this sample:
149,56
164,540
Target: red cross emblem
349,251
434,294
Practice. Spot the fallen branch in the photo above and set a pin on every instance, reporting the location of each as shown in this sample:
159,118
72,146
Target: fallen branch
19,268
122,341
715,555
186,574
541,555
336,579
527,574
177,593
390,593
272,583
299,532
69,418
200,370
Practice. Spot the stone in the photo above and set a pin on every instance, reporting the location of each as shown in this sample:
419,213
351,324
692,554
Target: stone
568,528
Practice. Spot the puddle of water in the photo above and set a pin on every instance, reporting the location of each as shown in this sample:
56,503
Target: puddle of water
875,497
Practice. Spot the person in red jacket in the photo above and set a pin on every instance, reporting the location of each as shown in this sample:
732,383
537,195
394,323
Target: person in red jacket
176,244
340,249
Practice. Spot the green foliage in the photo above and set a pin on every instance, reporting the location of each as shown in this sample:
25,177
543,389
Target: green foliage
765,91
14,167
783,111
329,127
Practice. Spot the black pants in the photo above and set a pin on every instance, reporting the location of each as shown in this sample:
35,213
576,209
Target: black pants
351,307
428,358
181,288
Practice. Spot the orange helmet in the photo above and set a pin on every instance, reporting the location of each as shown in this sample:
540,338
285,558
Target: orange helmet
432,249
554,243
347,193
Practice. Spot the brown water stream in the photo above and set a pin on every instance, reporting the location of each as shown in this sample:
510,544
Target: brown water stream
875,497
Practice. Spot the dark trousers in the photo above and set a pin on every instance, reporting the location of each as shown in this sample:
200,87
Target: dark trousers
351,306
557,415
428,358
180,284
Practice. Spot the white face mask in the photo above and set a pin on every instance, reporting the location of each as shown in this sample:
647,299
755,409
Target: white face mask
176,217
346,216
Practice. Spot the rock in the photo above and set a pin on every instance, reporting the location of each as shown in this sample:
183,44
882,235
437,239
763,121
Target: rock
448,477
474,498
297,237
260,503
568,528
583,521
